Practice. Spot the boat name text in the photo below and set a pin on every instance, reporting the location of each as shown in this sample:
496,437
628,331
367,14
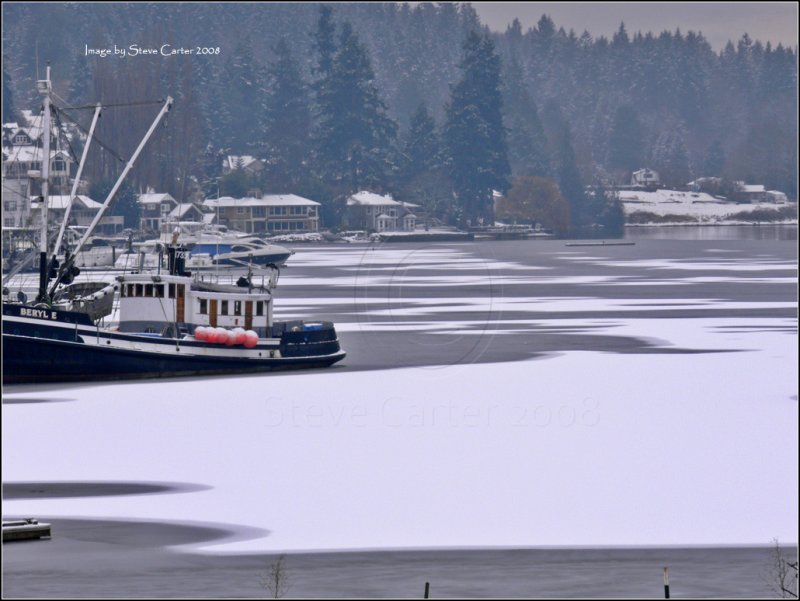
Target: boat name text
38,313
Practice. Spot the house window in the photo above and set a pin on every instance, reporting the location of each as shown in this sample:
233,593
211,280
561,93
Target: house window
259,211
240,210
164,209
8,222
20,139
10,205
59,165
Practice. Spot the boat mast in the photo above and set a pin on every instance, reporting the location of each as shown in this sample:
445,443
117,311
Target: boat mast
128,167
77,179
44,89
107,203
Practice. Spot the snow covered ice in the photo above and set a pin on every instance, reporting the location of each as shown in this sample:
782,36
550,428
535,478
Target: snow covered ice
584,448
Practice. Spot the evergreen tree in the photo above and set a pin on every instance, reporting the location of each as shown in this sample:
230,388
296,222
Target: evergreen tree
474,135
715,160
421,149
324,43
625,141
527,143
242,97
570,182
670,158
287,122
355,134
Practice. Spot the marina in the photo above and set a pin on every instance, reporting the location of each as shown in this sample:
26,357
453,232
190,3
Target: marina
166,324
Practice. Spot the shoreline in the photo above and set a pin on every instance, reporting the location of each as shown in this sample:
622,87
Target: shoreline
109,558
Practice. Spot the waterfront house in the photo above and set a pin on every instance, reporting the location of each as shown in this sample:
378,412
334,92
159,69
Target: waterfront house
379,213
155,210
269,213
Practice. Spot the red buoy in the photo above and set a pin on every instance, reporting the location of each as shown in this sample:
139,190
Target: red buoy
251,339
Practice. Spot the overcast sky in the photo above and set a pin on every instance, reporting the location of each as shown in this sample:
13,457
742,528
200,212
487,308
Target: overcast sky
718,21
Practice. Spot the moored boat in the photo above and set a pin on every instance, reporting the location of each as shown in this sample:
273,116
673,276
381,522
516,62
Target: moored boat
169,322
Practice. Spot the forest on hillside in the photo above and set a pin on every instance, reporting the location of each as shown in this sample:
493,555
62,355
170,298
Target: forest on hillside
423,102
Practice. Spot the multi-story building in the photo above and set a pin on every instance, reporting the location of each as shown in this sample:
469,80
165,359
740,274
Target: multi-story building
155,210
374,212
271,213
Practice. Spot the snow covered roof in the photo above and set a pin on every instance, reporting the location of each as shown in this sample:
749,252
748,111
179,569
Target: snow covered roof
153,198
285,200
371,199
753,188
28,154
182,209
60,202
268,200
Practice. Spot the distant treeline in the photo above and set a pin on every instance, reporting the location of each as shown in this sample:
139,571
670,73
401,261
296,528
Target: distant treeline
434,101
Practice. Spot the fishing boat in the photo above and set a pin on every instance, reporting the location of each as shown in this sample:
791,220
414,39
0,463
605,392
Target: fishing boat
169,322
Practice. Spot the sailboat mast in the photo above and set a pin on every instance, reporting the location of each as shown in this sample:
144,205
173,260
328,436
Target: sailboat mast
44,89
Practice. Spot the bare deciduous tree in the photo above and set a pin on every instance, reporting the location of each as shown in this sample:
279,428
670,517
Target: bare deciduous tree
782,573
276,579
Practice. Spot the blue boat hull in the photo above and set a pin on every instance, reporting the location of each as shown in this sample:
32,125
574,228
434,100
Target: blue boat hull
44,350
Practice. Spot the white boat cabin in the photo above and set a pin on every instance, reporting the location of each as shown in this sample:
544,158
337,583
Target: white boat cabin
152,304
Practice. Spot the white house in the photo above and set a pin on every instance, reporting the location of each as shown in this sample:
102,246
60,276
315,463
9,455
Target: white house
752,192
81,214
646,178
370,211
155,209
777,197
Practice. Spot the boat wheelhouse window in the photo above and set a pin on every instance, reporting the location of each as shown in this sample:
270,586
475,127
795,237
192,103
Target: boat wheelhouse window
148,290
259,307
139,290
159,289
237,307
203,306
223,308
172,290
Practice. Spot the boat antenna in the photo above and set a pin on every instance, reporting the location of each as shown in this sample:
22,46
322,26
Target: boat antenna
44,88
